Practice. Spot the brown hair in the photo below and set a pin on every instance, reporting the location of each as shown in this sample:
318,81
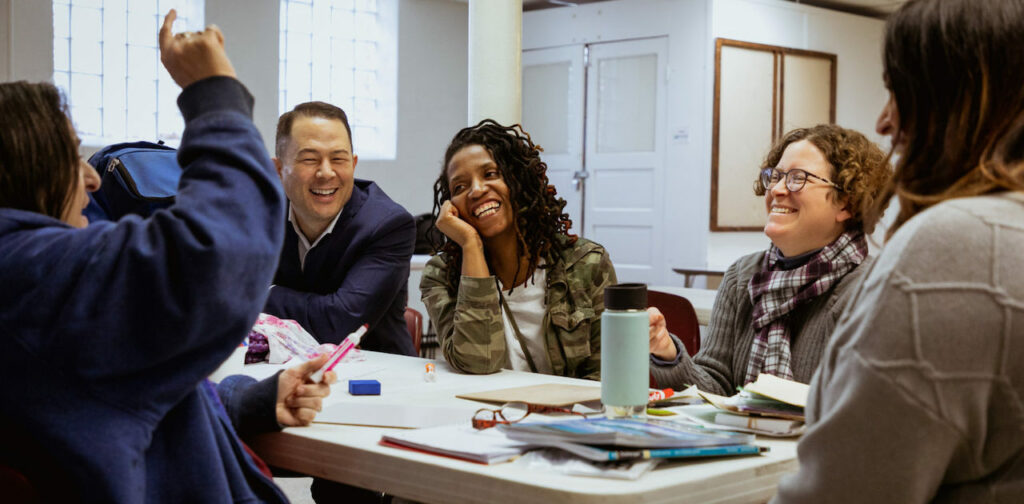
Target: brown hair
955,69
539,219
858,166
38,149
308,109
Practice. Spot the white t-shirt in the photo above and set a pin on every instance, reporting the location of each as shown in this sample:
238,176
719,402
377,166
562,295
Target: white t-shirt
527,305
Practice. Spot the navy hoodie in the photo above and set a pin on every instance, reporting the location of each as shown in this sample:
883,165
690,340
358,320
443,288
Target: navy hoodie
107,333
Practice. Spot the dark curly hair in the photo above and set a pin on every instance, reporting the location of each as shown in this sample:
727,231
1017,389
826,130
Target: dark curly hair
955,69
539,219
859,167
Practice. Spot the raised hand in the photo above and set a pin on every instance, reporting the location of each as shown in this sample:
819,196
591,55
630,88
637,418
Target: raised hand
193,56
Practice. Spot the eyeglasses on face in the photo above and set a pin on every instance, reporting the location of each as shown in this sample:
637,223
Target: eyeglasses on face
795,179
512,412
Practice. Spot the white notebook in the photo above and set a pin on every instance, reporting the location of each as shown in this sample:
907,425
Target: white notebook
486,446
392,415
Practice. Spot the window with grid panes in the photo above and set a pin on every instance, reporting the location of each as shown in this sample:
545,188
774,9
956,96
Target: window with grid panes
343,52
107,62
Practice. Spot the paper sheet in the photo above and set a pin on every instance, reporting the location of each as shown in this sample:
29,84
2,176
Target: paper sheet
548,394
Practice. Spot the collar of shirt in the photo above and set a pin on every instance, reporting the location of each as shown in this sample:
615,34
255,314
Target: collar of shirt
304,245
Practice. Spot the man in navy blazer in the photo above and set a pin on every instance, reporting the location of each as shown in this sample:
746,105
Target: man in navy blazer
347,246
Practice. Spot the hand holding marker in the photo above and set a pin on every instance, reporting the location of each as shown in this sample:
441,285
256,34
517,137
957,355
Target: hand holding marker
339,353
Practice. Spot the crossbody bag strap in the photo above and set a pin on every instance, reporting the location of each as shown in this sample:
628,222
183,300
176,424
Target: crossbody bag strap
515,329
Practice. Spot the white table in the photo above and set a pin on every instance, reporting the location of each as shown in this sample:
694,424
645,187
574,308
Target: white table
701,299
353,455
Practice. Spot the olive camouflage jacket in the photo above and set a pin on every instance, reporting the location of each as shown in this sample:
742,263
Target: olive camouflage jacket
471,332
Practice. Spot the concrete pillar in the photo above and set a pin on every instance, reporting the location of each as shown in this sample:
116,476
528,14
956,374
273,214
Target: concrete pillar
495,54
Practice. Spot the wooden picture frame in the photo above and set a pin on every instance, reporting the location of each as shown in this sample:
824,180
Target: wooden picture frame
757,113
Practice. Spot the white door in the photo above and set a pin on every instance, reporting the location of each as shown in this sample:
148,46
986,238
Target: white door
553,116
625,155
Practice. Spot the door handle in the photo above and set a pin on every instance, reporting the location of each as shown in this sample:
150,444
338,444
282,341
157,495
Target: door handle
577,179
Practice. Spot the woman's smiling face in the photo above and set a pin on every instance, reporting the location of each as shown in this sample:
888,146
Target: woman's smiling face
808,219
479,193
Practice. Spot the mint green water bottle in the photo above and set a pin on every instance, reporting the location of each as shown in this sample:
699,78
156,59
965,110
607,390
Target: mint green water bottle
624,351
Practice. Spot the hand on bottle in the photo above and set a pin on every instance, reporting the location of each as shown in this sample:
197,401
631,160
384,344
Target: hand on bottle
661,344
193,56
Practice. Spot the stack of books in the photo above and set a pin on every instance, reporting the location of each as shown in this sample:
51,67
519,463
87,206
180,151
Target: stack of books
771,406
603,439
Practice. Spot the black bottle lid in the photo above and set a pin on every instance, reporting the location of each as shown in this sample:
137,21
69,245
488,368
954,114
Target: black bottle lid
627,296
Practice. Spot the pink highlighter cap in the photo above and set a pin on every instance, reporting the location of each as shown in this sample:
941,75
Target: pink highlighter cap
350,342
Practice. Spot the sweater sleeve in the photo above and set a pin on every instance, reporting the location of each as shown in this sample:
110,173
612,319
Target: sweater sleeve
886,448
155,305
914,396
251,405
469,326
711,369
367,292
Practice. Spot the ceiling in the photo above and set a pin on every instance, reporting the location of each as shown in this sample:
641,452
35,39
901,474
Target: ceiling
873,8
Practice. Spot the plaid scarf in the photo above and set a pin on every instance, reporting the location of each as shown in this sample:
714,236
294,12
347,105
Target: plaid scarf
775,293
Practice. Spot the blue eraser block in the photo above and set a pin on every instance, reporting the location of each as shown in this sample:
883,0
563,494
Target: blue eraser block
364,387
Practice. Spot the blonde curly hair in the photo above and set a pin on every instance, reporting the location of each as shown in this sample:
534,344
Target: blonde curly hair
859,167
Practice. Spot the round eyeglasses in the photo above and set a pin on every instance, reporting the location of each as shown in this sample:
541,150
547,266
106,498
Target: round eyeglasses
795,179
512,412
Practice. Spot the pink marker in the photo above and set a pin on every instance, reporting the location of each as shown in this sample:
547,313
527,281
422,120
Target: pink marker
339,353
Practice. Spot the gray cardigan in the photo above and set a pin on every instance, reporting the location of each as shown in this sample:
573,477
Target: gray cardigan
919,395
721,364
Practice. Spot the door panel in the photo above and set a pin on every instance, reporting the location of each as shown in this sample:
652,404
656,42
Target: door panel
625,155
553,116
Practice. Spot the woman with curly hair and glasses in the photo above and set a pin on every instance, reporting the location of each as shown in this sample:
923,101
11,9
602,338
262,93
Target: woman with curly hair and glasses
918,398
776,309
510,287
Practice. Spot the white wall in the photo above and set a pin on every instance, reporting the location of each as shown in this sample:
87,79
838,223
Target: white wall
5,33
860,93
250,36
685,23
432,88
27,40
692,26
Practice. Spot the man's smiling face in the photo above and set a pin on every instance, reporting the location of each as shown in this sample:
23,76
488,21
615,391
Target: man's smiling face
317,172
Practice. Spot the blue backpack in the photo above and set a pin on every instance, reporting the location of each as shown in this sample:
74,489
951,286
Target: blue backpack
137,178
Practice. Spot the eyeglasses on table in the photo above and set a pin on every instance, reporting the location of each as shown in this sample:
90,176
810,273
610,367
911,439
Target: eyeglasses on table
512,412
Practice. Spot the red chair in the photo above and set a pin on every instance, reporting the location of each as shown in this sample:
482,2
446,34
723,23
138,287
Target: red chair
680,319
414,321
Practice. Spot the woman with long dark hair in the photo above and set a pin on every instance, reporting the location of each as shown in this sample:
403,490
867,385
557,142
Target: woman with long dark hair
919,397
510,287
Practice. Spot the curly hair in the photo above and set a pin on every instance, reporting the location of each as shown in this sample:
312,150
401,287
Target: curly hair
859,167
539,217
955,69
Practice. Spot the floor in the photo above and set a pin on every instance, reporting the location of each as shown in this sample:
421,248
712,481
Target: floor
297,489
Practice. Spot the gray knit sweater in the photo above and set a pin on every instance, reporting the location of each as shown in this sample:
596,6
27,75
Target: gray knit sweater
919,395
721,364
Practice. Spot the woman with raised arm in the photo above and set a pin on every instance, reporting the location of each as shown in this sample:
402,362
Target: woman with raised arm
510,287
110,329
775,310
919,396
